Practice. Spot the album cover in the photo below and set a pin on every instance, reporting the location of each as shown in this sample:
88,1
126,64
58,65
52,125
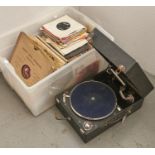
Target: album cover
32,60
64,28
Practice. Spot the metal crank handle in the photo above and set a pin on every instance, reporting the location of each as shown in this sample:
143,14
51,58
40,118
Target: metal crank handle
58,117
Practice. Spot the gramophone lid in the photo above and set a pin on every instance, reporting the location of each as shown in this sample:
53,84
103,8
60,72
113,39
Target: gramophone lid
116,56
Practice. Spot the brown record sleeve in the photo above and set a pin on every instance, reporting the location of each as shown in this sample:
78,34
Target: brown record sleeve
33,60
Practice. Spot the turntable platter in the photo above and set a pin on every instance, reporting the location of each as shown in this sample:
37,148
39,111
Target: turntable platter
93,100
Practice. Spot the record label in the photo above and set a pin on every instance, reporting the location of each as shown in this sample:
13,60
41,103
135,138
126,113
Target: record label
63,26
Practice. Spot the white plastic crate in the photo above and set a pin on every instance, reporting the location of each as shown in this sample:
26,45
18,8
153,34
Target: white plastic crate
41,96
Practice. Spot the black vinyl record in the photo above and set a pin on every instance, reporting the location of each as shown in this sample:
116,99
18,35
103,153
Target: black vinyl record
63,26
93,100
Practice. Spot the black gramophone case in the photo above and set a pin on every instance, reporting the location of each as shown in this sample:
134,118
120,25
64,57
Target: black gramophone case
116,56
132,75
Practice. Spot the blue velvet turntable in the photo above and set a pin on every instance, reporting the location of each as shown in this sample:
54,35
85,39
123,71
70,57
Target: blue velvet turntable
96,104
93,100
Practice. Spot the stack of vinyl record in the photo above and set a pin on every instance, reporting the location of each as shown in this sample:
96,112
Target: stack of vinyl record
66,36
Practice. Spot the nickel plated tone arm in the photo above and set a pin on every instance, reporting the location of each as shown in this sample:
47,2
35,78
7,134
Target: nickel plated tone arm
116,73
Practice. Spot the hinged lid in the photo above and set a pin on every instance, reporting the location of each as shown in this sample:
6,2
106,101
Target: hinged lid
116,56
